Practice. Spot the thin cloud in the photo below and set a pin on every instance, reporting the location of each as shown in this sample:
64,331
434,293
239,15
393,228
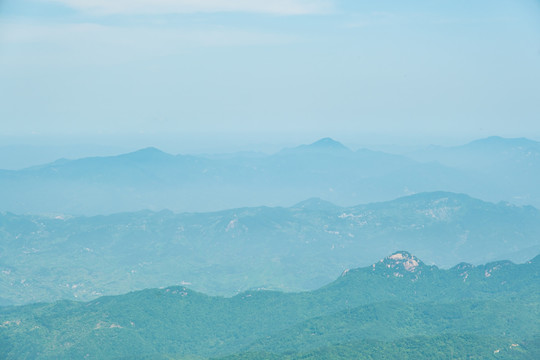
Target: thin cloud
277,7
101,44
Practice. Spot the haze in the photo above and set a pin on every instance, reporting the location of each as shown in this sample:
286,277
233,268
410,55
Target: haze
245,75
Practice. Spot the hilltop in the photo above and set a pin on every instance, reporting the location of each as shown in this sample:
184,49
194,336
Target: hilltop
297,248
493,169
397,300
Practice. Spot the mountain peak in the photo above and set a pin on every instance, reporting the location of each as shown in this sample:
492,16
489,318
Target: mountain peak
315,204
324,145
436,197
328,143
400,261
400,264
400,255
148,150
149,153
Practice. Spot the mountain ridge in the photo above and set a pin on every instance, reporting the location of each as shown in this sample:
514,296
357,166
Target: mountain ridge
360,306
322,145
288,248
152,179
325,143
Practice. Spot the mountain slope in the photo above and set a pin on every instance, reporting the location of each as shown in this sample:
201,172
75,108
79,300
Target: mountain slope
502,168
412,299
151,179
297,248
493,169
447,347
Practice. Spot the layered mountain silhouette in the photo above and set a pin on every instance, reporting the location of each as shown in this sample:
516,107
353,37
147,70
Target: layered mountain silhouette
493,169
302,247
306,276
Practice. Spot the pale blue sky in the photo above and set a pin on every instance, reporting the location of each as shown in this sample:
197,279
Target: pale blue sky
347,69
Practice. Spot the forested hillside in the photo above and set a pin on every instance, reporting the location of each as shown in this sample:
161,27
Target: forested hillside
297,248
488,311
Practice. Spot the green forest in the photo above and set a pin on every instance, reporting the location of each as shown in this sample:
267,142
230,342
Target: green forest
398,308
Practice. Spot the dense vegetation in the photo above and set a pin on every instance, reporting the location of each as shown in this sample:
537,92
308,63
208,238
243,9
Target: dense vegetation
397,306
442,347
298,248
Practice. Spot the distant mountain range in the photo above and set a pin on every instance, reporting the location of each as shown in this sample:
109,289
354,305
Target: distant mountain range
81,229
492,169
297,248
399,307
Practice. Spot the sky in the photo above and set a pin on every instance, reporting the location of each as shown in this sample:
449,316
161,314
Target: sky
196,75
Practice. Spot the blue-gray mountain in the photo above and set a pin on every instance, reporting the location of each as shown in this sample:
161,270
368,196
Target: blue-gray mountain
296,248
399,307
492,169
506,169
